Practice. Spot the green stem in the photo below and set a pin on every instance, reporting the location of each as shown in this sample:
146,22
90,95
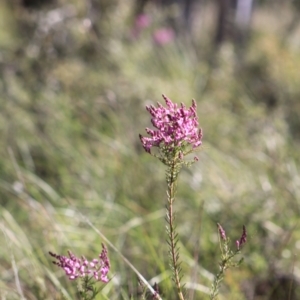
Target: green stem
216,285
171,228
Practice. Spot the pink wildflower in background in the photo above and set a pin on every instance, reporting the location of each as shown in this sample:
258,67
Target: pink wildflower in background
75,267
240,243
142,21
163,36
176,126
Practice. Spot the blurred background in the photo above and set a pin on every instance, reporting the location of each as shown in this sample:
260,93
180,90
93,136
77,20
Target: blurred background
75,78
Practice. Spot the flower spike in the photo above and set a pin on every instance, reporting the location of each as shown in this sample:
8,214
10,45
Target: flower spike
242,240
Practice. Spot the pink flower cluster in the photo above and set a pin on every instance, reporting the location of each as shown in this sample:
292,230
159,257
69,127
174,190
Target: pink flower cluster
176,126
75,267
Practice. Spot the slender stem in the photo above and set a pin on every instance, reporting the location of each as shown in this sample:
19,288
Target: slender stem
172,233
224,265
216,285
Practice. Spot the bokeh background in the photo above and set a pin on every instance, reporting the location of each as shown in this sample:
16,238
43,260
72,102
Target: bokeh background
75,78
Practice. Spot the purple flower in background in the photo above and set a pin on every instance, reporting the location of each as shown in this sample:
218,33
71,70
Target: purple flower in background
142,21
243,239
176,126
163,36
75,267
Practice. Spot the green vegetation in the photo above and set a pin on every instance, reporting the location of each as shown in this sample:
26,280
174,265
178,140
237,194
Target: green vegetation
72,101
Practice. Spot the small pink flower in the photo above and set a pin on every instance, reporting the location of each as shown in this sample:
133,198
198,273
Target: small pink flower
221,232
163,36
75,267
242,240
